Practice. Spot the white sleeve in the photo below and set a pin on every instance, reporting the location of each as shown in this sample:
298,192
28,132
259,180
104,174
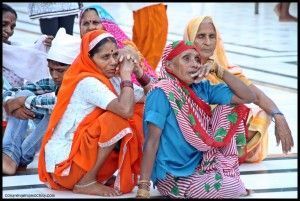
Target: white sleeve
95,92
138,91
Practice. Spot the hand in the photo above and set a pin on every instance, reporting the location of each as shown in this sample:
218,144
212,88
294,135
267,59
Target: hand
138,69
48,41
126,64
13,104
138,64
283,134
23,113
215,68
203,71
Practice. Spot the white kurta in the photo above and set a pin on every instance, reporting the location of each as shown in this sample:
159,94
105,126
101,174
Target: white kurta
88,94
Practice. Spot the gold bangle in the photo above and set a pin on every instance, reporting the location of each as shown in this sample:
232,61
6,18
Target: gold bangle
142,193
219,71
144,181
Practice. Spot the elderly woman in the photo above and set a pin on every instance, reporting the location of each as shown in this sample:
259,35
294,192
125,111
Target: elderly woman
95,128
190,151
203,32
95,17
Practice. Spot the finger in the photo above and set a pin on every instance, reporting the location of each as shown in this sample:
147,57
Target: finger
284,146
206,72
22,115
121,58
29,113
201,73
277,136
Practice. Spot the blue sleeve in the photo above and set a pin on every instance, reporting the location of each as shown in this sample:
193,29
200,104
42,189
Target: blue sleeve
157,108
213,94
220,94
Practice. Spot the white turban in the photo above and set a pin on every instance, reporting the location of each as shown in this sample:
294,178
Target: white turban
64,48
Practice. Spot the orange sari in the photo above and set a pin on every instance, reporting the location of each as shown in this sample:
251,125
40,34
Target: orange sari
149,32
100,127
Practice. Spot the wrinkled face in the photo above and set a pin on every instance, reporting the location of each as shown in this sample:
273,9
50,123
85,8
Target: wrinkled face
57,71
89,21
8,25
106,59
184,65
206,39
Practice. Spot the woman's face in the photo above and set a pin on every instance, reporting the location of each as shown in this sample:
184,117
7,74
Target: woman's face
106,59
89,21
8,25
185,65
206,39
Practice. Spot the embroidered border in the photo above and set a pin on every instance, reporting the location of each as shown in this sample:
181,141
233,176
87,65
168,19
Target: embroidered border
115,139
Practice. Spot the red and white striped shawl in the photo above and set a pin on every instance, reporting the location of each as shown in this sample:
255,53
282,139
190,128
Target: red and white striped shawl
193,114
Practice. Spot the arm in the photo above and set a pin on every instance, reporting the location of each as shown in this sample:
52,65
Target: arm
15,107
40,104
282,130
143,79
41,87
242,93
149,155
124,104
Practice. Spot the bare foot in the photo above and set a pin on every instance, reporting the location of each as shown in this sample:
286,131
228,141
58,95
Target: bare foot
277,9
111,181
95,188
9,166
248,192
288,18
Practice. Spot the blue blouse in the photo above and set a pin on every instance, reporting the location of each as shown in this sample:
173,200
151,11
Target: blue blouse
175,155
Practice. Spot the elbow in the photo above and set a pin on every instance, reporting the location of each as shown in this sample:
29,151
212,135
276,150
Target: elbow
127,113
252,98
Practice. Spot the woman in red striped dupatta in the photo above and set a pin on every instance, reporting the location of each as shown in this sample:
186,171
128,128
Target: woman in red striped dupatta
191,151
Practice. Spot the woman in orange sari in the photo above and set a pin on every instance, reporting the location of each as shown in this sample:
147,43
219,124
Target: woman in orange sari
203,32
95,128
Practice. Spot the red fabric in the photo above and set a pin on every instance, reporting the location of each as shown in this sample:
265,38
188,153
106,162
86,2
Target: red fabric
180,47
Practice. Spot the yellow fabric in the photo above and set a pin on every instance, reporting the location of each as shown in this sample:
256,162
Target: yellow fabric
258,120
258,146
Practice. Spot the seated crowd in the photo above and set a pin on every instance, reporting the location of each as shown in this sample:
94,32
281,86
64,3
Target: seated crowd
103,121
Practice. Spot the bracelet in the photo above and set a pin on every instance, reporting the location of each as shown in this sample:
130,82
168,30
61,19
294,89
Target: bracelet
219,71
126,83
144,80
142,193
144,181
275,112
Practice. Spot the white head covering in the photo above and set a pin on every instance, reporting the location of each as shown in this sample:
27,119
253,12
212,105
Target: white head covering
27,62
64,48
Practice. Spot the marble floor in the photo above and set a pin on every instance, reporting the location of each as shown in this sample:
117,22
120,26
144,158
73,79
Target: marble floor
265,48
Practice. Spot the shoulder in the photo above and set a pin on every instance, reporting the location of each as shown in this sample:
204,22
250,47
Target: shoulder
201,85
89,80
157,95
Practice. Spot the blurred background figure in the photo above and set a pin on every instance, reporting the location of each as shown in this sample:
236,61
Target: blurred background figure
53,16
282,10
150,30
